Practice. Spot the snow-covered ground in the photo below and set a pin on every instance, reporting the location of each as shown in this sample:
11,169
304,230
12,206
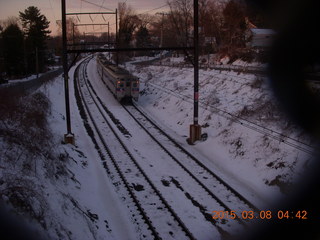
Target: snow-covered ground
93,190
79,198
238,112
67,192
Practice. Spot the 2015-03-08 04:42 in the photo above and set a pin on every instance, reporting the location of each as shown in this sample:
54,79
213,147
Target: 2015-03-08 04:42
263,214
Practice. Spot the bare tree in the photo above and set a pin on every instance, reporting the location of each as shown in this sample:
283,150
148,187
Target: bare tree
145,20
234,15
163,30
10,21
181,15
211,21
73,33
129,21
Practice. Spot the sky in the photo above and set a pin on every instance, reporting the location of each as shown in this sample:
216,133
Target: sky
52,9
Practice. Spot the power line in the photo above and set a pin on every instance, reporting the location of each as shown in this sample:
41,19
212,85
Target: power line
80,9
155,8
97,5
102,27
290,141
100,9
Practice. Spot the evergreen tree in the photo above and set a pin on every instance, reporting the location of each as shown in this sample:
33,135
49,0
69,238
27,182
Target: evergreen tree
35,26
12,42
143,37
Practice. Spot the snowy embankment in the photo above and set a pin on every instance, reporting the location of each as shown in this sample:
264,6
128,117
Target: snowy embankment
62,188
251,144
65,189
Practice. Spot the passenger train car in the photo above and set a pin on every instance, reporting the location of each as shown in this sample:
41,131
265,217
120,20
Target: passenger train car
121,83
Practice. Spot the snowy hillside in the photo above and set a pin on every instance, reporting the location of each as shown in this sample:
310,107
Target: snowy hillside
62,188
250,141
65,188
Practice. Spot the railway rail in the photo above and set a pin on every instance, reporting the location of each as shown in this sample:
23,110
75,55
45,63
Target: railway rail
295,143
225,195
149,200
195,182
313,78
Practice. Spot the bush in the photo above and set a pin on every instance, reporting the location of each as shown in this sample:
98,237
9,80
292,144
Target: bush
245,54
26,149
24,123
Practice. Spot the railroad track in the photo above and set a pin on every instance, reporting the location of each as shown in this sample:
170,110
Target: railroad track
156,199
273,134
160,220
218,189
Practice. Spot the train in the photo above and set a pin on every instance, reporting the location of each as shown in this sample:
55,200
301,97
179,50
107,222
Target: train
123,85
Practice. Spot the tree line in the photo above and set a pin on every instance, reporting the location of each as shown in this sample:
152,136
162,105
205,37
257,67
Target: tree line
223,25
23,43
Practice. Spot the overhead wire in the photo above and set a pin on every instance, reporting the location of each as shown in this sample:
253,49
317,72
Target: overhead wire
80,9
154,9
290,141
157,8
100,9
101,6
97,5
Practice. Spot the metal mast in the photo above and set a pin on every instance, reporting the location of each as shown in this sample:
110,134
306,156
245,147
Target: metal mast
69,137
195,128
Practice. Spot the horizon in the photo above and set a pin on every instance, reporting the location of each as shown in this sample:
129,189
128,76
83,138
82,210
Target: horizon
52,9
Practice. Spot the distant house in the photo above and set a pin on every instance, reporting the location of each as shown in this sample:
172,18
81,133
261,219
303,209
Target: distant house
259,38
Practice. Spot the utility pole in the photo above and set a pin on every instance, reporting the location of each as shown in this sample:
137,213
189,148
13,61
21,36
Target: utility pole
25,56
117,37
108,34
73,41
69,137
161,37
195,128
37,62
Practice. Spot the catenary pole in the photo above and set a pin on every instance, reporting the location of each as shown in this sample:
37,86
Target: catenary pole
37,62
69,137
196,62
195,128
117,37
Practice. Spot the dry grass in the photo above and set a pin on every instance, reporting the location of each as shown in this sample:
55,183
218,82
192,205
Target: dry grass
27,152
24,124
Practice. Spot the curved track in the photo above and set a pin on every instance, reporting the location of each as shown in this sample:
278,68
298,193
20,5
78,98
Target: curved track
207,179
149,203
161,202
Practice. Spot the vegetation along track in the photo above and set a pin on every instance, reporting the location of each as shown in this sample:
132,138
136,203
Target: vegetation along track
148,202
